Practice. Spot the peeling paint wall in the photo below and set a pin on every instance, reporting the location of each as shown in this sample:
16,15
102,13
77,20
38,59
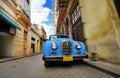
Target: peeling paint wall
102,28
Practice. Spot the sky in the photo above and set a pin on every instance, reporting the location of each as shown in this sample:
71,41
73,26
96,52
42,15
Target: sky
42,13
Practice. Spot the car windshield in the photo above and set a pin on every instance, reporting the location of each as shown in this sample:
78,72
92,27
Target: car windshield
58,36
62,36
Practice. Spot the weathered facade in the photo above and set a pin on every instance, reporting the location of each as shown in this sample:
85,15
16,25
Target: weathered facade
15,27
35,39
43,36
98,21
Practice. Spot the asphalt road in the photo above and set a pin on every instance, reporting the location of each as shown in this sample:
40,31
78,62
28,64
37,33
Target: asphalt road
33,67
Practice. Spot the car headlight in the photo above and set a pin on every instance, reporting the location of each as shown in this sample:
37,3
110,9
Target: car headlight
54,45
78,46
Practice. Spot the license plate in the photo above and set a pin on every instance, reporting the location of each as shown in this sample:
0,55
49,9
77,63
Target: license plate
67,58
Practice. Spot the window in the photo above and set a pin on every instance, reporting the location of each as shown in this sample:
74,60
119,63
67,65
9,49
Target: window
76,22
26,7
76,14
72,18
78,10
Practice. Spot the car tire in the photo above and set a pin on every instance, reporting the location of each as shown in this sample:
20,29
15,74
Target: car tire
47,64
81,60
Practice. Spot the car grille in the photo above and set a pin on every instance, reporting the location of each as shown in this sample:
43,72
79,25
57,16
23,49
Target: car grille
66,47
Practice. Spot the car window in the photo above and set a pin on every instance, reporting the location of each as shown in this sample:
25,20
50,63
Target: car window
62,36
57,36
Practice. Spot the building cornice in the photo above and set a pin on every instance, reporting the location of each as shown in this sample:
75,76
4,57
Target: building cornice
35,31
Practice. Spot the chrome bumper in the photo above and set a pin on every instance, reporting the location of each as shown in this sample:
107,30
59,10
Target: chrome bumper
60,58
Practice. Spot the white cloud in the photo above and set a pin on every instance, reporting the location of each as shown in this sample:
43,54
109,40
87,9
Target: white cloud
39,14
37,4
49,29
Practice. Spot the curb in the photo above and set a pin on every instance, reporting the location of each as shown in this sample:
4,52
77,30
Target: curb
102,68
16,58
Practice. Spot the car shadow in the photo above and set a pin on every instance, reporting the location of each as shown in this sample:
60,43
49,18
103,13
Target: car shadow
65,64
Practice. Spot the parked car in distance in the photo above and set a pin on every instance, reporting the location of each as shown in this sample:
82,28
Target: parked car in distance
62,48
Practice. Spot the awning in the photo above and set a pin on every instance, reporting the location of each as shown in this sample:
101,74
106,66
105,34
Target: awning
8,20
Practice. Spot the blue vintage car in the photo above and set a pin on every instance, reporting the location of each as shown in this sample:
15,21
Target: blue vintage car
62,48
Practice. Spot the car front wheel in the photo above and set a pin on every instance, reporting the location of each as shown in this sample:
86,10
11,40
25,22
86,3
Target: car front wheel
47,64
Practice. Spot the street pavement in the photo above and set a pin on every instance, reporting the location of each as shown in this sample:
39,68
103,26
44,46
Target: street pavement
33,67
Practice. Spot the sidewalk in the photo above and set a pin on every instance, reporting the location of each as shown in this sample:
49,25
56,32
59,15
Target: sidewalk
109,68
15,58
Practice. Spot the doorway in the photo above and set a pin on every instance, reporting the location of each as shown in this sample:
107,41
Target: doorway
6,45
33,47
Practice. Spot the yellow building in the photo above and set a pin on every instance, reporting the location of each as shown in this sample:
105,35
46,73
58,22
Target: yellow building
35,39
14,28
98,21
